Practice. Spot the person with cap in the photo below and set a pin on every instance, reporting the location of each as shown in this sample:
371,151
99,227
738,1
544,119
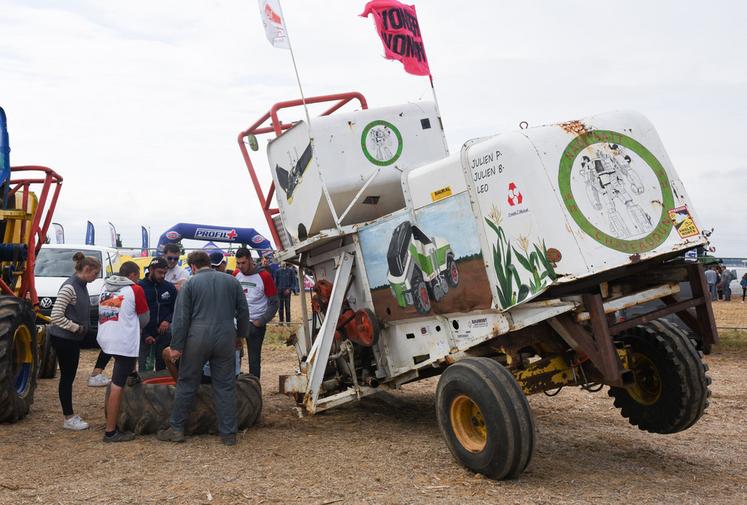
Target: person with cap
218,261
175,274
161,296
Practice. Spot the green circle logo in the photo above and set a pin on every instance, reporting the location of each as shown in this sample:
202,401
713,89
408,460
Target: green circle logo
622,192
381,143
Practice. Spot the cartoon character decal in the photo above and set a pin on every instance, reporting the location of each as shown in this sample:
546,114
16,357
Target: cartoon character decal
612,187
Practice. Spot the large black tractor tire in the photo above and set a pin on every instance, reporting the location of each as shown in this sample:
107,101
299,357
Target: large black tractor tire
48,362
146,408
671,389
485,418
420,293
19,357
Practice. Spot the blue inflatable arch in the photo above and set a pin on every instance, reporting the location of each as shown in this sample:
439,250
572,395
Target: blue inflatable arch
248,236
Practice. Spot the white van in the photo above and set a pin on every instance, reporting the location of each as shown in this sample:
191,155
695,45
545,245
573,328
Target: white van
54,264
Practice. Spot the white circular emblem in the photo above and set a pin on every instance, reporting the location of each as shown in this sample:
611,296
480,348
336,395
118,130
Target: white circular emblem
45,302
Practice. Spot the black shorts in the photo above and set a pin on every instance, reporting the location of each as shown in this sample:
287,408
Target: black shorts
123,367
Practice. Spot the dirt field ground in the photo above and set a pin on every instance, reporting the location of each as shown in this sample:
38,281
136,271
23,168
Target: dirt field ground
386,449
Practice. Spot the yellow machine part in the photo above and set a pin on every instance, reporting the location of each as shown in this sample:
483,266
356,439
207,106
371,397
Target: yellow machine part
15,231
554,372
16,216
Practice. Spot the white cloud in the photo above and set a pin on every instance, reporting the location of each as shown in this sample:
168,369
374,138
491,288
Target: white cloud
138,104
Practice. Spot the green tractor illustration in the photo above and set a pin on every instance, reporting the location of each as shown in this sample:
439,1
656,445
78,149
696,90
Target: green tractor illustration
421,269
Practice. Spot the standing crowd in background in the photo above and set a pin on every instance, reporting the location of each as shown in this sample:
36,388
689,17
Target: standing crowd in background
719,279
173,318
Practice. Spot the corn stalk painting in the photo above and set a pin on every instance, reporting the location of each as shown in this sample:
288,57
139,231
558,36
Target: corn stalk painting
511,289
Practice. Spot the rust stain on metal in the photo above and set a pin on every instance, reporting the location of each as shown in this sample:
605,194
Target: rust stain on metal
553,255
574,127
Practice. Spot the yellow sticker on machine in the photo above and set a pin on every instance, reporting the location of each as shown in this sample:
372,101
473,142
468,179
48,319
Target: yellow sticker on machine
440,194
683,222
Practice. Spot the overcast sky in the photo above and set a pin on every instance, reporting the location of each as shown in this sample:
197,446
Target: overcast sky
138,103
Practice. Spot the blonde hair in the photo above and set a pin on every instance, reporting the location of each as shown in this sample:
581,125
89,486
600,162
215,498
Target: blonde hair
82,261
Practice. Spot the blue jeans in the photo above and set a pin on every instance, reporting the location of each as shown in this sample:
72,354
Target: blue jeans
714,294
254,347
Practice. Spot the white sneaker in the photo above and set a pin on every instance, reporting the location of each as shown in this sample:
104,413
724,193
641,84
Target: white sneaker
75,423
97,381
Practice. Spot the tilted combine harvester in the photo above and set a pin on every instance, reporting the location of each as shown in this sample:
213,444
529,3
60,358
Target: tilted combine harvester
504,268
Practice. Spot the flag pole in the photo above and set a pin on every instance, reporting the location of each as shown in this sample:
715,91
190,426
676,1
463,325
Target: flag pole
438,112
308,120
295,67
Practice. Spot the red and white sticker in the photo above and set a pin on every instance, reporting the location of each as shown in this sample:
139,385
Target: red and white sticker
514,195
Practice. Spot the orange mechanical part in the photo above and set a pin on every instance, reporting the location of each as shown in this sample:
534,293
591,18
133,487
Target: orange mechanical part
359,326
322,291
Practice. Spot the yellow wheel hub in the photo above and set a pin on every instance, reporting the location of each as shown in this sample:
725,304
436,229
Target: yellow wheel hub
647,387
468,424
23,364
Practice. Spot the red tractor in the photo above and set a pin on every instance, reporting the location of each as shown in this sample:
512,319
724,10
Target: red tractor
28,195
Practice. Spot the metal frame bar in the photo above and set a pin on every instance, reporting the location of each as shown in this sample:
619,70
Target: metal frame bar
597,345
277,127
320,350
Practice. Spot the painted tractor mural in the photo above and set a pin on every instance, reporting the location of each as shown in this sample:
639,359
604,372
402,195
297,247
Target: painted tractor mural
420,269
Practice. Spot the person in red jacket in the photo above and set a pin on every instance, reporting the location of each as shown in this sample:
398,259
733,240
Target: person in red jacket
262,298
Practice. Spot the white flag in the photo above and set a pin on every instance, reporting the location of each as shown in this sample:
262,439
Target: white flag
272,18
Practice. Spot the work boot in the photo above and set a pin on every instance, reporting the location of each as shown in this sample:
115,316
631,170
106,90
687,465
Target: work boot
228,439
119,436
170,435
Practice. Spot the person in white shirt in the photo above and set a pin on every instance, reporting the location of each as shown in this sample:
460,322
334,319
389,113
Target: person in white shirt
262,299
123,312
176,275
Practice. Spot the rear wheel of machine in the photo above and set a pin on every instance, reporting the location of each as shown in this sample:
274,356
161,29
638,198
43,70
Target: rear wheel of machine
18,358
48,363
420,296
671,391
485,418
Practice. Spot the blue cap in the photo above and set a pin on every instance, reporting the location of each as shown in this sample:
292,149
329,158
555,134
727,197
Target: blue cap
216,258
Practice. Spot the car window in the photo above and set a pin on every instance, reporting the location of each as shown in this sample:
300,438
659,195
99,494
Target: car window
52,262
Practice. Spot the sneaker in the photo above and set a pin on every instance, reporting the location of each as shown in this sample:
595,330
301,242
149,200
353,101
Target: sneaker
119,436
75,423
98,381
228,439
170,435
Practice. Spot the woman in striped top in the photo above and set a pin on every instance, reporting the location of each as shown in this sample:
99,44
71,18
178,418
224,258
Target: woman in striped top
70,322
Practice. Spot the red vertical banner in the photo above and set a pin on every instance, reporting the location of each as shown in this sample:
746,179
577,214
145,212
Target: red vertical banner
397,25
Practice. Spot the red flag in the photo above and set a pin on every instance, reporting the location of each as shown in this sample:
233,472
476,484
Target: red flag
398,27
